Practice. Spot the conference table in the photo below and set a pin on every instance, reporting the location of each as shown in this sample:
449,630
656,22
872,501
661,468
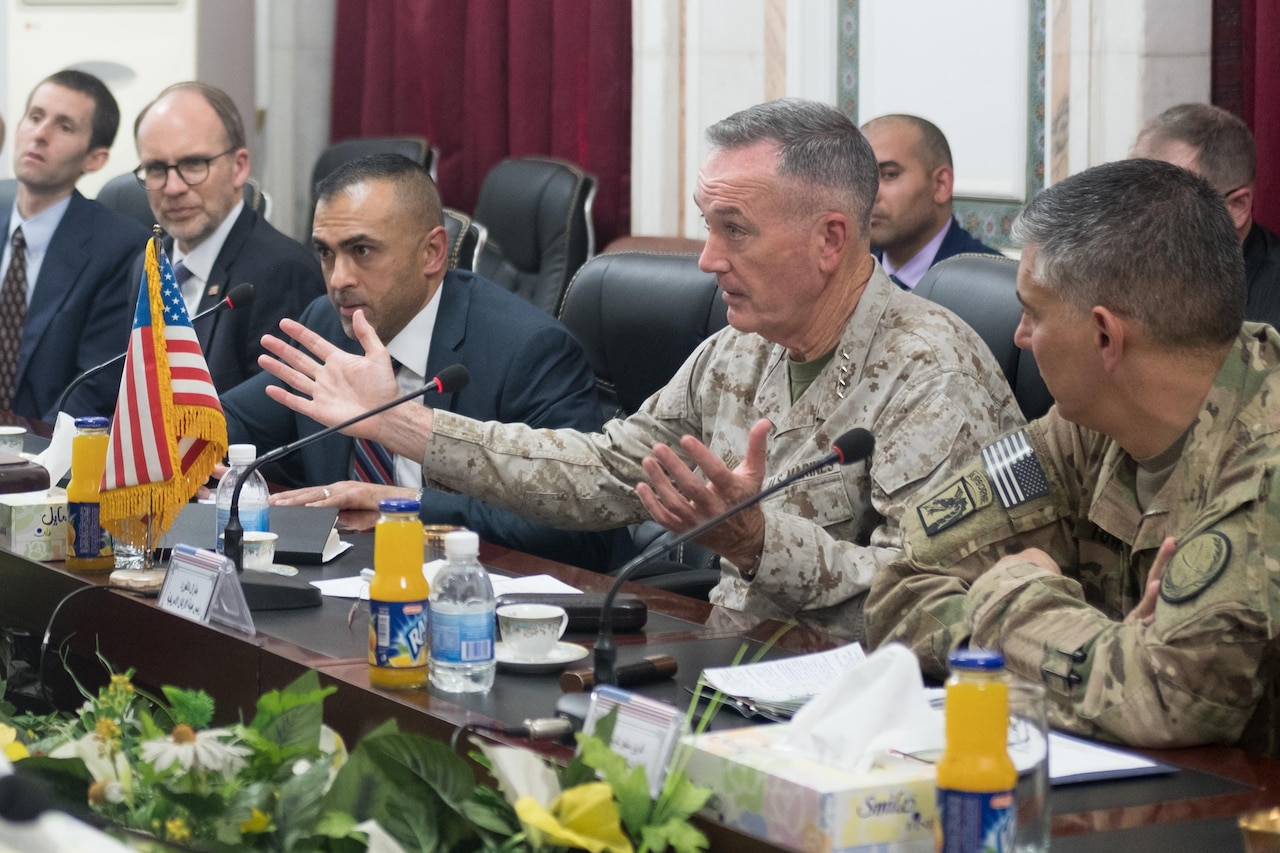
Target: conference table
1194,808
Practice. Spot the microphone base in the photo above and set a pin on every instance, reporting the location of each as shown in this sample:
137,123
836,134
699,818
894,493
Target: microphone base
273,592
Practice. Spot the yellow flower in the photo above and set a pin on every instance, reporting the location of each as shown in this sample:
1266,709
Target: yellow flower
259,821
106,730
176,829
584,816
121,683
14,749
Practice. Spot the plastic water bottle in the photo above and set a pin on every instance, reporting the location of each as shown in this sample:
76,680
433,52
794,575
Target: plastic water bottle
462,626
254,497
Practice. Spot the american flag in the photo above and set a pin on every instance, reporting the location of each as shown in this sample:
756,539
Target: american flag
169,430
1015,470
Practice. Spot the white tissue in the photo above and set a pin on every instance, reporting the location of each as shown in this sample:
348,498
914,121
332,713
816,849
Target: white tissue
56,458
876,707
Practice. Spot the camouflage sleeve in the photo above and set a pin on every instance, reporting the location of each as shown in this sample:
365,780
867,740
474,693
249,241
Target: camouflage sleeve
1188,678
953,534
934,425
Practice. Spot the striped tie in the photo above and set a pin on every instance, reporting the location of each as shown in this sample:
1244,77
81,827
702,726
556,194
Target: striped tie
372,462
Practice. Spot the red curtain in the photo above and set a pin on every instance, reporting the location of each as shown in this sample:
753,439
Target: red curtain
1246,81
488,79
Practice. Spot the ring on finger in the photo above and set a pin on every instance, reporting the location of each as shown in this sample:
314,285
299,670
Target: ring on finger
326,493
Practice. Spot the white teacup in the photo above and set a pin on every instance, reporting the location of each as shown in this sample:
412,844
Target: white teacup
259,549
11,438
531,631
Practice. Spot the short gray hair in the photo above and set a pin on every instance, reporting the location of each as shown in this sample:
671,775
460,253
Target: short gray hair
1225,148
817,144
1147,240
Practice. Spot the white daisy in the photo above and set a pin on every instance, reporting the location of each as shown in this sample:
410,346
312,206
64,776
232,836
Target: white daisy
191,749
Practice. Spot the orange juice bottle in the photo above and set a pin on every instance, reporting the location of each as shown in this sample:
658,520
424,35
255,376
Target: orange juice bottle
976,777
398,596
88,547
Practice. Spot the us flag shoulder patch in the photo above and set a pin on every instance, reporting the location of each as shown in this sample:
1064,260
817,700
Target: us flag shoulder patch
1014,470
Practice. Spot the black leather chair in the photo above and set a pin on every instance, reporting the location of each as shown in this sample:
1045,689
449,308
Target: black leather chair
416,148
467,239
538,212
982,291
125,196
639,315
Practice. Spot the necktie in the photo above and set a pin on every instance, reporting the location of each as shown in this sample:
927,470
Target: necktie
372,462
183,276
13,315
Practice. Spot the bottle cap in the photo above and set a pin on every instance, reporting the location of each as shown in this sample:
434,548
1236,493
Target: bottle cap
398,505
242,454
979,659
461,543
95,422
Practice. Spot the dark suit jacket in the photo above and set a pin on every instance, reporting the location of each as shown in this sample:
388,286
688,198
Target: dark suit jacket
956,242
525,367
960,242
1262,272
80,313
285,276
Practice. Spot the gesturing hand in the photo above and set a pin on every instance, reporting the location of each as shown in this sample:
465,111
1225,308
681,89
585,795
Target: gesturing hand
679,500
329,385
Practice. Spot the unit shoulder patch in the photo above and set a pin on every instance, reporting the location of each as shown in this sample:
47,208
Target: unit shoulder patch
1195,567
958,499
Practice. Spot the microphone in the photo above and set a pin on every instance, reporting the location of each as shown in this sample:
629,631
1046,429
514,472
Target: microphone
853,446
271,592
240,296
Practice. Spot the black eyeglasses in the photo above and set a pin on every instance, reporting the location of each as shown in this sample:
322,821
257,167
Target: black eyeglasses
192,171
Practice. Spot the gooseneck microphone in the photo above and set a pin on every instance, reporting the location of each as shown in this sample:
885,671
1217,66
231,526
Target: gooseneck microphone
853,446
453,378
240,296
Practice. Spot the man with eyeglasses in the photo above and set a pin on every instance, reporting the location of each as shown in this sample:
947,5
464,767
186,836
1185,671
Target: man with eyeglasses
65,260
194,164
1217,146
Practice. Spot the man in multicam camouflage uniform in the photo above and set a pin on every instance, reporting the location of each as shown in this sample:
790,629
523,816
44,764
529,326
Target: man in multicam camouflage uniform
821,341
1124,549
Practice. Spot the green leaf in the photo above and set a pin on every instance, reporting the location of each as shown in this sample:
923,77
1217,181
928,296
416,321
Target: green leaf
193,707
301,803
679,799
67,778
678,835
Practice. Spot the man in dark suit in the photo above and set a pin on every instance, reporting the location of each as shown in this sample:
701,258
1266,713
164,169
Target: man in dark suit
382,244
191,144
1217,146
912,227
64,304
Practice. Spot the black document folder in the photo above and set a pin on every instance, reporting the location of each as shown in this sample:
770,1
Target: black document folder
303,531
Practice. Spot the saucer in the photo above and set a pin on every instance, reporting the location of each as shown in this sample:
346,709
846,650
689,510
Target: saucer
561,656
275,569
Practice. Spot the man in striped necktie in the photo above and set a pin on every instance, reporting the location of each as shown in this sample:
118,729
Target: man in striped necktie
382,245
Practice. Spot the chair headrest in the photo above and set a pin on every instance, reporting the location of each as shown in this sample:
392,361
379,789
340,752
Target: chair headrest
639,315
529,204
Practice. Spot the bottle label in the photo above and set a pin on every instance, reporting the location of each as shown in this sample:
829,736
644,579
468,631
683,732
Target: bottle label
87,537
973,822
397,634
462,637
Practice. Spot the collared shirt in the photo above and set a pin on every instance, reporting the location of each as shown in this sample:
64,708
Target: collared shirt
410,348
913,270
201,259
38,232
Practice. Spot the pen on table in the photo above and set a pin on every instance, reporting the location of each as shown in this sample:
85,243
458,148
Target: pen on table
646,671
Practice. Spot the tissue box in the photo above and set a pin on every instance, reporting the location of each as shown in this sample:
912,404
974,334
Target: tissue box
34,524
762,789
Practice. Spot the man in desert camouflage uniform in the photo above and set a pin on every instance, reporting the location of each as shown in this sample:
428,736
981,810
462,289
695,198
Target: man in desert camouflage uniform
821,341
1125,549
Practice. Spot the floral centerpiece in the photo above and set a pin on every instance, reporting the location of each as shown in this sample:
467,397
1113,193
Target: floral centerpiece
153,766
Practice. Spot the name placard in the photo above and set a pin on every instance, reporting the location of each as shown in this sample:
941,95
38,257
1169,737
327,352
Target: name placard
188,587
645,734
201,585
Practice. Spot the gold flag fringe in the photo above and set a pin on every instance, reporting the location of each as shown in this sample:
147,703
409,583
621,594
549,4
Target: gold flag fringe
161,502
